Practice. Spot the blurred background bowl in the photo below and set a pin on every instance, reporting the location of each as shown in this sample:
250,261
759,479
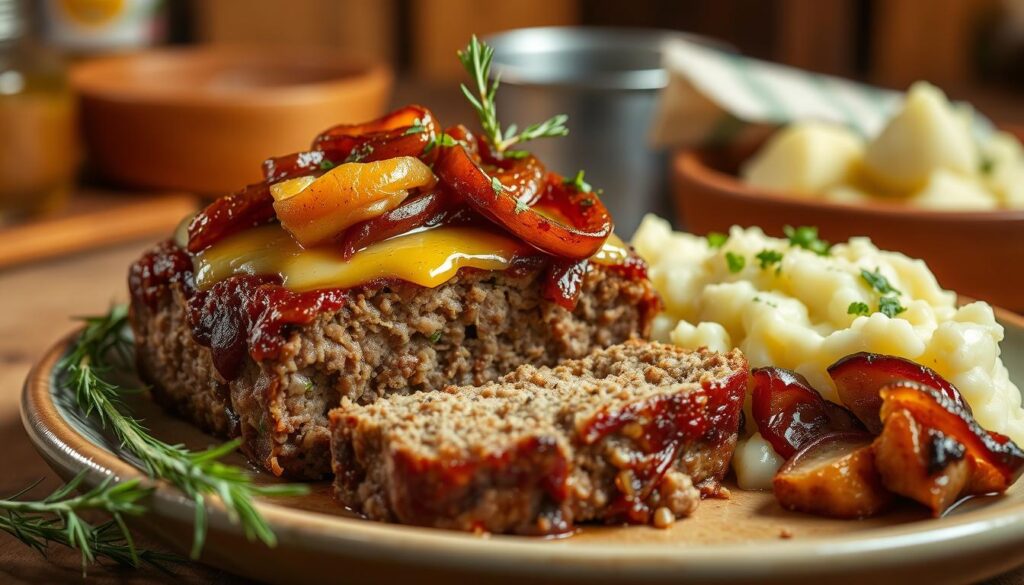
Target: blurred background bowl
978,254
606,80
204,119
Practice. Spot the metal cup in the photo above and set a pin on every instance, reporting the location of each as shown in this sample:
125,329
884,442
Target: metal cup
607,81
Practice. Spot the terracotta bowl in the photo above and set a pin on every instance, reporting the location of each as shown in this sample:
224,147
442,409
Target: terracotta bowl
204,119
980,254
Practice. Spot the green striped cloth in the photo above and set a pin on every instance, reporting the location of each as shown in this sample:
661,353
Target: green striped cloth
715,97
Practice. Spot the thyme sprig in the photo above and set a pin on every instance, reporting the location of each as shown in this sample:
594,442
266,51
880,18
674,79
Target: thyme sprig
103,347
56,519
476,59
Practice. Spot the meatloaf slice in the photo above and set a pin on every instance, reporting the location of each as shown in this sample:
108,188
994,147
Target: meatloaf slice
365,344
635,433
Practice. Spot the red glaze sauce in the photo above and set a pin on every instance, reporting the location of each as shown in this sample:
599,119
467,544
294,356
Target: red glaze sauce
668,423
163,265
563,282
250,314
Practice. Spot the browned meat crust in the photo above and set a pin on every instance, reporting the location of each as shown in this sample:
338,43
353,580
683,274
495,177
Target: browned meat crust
632,433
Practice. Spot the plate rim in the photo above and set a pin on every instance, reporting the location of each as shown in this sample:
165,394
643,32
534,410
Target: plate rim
983,529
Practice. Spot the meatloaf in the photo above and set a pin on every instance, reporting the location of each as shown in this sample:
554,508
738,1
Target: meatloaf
251,359
634,433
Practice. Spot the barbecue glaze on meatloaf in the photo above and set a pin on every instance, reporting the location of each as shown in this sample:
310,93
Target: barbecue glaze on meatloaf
248,358
633,433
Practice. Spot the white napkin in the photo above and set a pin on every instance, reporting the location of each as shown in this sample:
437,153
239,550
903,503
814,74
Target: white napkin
714,97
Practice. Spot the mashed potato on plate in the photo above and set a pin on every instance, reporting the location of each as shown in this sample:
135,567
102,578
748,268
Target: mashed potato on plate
791,304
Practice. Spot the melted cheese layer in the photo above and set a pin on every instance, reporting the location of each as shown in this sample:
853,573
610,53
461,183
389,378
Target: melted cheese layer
427,258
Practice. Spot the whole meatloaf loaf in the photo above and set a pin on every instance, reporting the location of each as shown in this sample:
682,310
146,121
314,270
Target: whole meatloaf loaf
248,358
633,433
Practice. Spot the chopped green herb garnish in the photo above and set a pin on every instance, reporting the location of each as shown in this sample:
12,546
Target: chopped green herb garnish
806,237
521,207
497,186
476,59
858,308
308,385
417,128
717,239
735,262
768,258
435,336
578,182
890,306
878,282
443,139
986,165
360,152
586,202
326,165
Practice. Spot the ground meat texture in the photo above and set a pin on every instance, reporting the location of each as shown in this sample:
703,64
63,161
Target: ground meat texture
384,340
633,433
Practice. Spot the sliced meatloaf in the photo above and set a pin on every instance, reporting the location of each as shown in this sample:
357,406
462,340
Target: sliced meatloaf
632,433
248,358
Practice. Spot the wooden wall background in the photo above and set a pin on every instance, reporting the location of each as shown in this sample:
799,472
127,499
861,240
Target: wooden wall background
891,42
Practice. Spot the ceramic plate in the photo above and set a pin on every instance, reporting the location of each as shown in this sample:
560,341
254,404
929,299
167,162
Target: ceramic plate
746,539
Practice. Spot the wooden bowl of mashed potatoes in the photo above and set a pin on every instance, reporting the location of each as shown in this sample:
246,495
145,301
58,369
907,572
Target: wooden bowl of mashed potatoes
977,250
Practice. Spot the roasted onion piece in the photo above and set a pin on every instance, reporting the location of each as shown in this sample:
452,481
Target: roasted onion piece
316,210
586,230
936,412
860,376
834,476
469,141
251,207
425,210
790,414
408,131
401,118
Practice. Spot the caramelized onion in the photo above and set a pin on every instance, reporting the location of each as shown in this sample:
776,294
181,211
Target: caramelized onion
408,131
582,236
790,413
860,376
251,207
935,410
422,211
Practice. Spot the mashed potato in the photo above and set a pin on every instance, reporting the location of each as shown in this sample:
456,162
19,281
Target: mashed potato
790,307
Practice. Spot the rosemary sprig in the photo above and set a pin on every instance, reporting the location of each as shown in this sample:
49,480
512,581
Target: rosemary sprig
476,59
56,519
198,474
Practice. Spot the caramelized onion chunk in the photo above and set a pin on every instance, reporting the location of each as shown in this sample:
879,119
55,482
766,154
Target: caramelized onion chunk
586,230
790,414
834,476
251,207
860,376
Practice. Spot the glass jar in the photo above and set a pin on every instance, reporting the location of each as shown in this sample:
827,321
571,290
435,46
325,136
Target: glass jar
38,151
